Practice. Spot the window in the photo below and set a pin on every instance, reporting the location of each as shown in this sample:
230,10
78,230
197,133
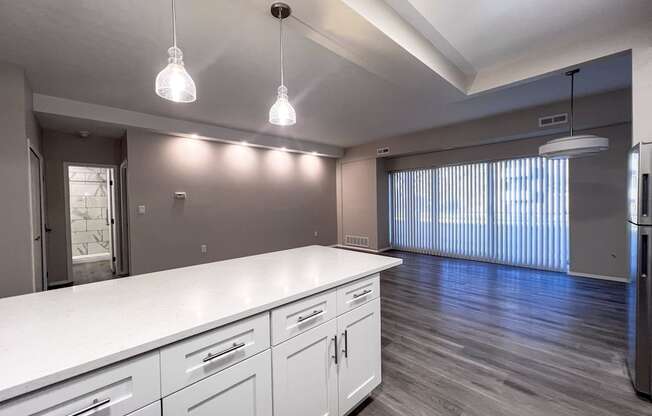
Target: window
511,212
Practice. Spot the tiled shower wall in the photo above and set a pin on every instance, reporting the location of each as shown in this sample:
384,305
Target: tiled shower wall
90,232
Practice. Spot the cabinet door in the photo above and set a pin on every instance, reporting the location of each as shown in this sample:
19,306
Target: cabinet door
360,357
242,390
153,409
305,373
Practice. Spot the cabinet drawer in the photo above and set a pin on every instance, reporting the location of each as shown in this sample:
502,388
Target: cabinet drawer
153,409
193,359
302,315
112,391
243,390
357,293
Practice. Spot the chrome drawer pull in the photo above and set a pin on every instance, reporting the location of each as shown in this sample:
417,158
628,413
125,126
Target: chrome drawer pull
232,348
96,403
364,293
311,315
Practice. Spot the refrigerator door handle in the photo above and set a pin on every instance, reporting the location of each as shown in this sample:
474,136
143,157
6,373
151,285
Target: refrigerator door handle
645,195
644,256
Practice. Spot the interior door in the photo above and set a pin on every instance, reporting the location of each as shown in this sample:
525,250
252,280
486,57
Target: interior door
360,368
305,373
111,217
36,220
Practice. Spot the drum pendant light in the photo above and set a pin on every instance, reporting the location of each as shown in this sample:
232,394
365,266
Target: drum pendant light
282,113
173,82
573,146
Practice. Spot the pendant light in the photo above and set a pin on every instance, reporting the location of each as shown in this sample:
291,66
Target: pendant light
573,146
282,113
173,82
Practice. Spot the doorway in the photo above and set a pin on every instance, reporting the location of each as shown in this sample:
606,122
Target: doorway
37,221
92,223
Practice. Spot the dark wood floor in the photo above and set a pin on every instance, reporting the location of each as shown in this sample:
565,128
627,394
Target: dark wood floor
470,338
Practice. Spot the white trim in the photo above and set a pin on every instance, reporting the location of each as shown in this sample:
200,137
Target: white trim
91,258
366,250
38,155
599,277
66,198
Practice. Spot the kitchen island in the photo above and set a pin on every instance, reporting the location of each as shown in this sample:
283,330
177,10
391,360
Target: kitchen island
200,338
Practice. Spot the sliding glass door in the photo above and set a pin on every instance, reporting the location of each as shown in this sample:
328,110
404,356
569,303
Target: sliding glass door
511,212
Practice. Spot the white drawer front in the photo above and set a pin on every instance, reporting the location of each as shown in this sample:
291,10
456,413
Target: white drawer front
193,359
116,390
153,409
302,315
242,390
357,293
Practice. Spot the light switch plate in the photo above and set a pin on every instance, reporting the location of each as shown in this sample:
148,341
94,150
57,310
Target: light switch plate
142,209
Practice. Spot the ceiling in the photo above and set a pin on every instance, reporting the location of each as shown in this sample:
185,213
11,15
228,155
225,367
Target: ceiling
489,33
350,81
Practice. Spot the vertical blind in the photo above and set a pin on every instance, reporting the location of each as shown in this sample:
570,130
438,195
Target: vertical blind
511,212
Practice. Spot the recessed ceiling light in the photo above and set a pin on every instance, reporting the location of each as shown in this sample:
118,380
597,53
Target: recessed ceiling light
284,149
315,153
244,143
194,136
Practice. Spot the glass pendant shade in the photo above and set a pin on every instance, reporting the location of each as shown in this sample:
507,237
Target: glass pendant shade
173,82
282,113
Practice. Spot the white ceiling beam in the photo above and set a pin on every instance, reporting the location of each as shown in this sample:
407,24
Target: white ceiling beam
46,104
395,27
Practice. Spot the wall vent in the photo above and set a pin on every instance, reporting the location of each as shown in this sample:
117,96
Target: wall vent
553,120
357,241
382,150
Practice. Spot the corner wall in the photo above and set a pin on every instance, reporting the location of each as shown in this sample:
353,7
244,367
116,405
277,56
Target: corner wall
241,200
17,124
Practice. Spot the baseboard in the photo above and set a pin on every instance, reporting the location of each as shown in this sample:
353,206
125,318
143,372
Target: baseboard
366,250
598,276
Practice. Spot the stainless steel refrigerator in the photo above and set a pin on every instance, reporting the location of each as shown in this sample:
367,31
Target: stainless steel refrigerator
639,294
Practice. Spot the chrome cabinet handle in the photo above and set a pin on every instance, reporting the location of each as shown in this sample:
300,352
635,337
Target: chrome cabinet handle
232,348
346,344
96,403
311,315
364,293
335,349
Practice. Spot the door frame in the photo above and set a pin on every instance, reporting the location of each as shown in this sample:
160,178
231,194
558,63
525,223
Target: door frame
66,197
44,263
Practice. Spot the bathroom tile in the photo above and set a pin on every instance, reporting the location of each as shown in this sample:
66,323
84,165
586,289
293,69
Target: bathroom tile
78,225
79,249
86,237
96,201
84,189
92,225
77,201
94,248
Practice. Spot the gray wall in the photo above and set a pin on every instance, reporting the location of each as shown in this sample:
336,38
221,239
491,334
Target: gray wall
16,125
597,194
598,244
57,149
241,200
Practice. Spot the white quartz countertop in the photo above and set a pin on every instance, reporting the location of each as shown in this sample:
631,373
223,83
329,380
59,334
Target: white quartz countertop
51,336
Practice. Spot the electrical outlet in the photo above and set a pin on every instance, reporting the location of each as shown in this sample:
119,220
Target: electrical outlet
316,233
204,249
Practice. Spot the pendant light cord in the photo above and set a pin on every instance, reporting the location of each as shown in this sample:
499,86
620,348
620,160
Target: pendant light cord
572,111
174,29
571,74
280,18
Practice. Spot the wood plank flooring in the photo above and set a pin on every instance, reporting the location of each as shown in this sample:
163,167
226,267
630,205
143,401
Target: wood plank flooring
470,338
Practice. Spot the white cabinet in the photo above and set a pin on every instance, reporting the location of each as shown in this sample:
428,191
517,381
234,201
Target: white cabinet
116,390
242,390
196,358
357,293
153,409
305,373
359,361
300,316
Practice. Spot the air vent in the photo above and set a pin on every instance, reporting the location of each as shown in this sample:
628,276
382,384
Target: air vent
382,150
553,120
357,241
